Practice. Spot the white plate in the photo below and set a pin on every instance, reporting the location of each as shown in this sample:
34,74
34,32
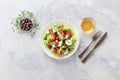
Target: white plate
47,51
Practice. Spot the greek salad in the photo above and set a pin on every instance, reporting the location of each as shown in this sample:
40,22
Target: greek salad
60,39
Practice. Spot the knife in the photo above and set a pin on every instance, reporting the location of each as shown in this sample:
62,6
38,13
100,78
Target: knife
97,44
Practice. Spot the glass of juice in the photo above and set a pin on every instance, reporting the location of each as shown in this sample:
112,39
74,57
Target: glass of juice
88,25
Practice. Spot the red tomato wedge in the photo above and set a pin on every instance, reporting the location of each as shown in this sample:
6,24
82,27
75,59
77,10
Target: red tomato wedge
61,26
55,37
62,33
49,41
68,33
50,31
57,43
61,53
55,50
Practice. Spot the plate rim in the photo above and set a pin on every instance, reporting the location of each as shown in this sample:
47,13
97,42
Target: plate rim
75,31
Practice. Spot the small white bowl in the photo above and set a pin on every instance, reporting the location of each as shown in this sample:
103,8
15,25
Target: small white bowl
47,51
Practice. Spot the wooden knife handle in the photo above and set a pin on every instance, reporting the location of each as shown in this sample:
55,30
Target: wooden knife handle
84,60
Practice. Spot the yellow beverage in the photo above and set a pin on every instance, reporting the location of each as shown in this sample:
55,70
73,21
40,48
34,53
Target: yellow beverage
87,25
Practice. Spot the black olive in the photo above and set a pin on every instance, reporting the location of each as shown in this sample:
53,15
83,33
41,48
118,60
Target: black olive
26,24
58,47
64,48
56,33
69,49
59,39
64,41
49,46
64,31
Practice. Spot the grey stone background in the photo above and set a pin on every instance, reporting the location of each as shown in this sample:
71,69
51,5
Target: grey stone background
21,57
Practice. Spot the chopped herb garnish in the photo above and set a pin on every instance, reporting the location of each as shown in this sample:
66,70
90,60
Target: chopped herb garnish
25,22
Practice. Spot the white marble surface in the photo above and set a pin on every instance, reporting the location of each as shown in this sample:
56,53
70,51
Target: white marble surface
21,57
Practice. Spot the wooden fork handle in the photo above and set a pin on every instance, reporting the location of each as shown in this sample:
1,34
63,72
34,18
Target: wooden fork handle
81,55
85,59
